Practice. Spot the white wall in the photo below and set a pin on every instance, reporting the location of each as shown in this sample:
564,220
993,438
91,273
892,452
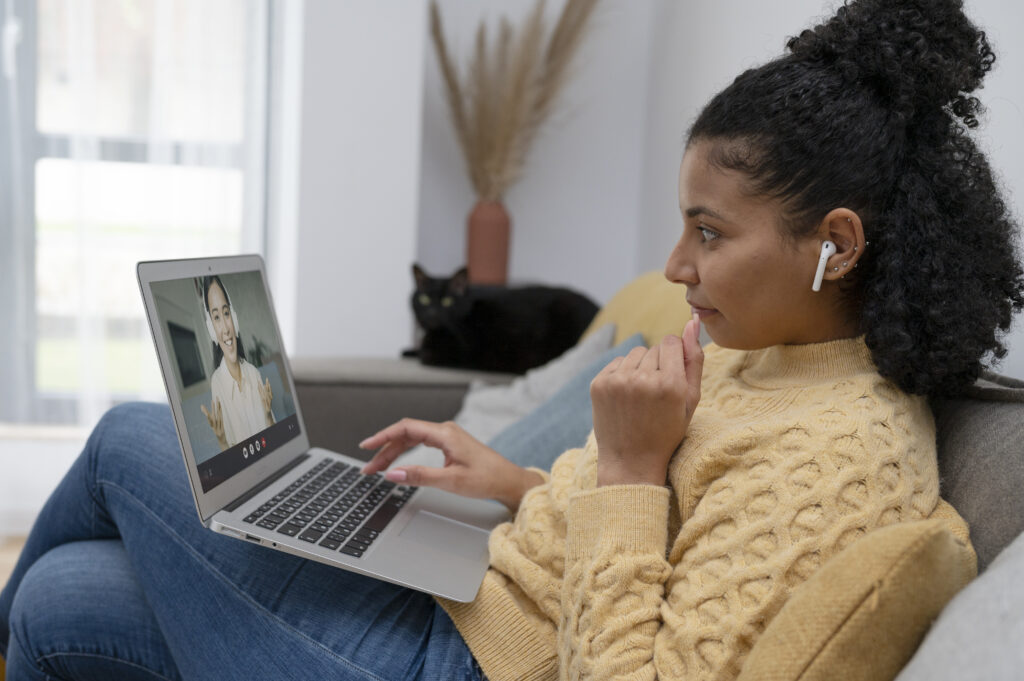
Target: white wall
576,208
380,181
344,243
700,47
1002,131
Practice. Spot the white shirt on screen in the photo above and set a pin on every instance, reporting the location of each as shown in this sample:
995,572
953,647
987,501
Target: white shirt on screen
241,405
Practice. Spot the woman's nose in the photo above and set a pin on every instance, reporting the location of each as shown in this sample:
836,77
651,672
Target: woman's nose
680,268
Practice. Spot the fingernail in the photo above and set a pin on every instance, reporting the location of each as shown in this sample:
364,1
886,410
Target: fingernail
397,475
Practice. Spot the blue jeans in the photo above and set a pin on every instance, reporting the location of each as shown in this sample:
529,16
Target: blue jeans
120,580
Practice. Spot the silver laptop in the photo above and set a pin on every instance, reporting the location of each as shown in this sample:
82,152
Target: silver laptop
252,471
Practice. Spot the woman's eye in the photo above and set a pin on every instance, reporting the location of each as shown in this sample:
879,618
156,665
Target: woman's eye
707,234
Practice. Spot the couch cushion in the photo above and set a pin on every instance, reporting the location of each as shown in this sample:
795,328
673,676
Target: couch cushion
981,461
862,615
979,634
562,422
650,305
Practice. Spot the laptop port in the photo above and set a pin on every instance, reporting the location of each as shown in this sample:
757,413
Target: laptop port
252,538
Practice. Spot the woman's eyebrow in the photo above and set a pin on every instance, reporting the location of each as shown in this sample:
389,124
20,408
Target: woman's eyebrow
702,210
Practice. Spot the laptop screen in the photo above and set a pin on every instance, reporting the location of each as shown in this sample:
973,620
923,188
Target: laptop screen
228,370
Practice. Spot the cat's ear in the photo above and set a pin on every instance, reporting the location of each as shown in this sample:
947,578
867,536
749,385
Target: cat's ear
459,282
420,276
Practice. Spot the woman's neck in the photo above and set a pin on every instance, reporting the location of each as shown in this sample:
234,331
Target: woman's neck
235,369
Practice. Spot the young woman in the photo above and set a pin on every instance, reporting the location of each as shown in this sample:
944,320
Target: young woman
715,482
241,400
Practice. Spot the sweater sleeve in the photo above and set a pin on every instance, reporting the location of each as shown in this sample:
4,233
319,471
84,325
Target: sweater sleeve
614,581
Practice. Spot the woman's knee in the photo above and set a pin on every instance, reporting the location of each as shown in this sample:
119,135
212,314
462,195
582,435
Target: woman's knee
132,437
129,421
80,603
65,587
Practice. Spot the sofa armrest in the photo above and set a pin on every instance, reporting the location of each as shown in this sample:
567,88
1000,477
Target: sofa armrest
346,399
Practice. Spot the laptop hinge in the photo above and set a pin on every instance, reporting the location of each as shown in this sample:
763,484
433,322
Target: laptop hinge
271,479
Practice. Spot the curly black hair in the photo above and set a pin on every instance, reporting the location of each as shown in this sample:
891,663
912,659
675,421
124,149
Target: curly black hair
884,87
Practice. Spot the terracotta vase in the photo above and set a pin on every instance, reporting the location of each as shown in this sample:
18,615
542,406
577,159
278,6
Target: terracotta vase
488,228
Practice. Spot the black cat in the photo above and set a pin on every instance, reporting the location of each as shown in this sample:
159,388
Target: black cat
495,328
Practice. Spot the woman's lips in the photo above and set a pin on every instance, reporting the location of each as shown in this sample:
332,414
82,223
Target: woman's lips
703,312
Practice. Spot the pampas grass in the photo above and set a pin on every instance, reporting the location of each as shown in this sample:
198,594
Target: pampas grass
509,90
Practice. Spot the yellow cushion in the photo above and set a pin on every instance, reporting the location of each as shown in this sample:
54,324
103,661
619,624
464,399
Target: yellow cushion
650,304
863,614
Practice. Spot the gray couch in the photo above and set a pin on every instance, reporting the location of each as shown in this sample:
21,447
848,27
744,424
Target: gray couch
981,460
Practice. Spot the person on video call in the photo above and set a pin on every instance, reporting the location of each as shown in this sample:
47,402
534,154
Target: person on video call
241,401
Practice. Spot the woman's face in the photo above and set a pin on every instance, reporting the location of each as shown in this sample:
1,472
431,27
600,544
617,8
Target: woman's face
749,284
223,323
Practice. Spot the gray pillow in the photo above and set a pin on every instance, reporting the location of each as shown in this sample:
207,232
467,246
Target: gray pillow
981,461
979,633
561,423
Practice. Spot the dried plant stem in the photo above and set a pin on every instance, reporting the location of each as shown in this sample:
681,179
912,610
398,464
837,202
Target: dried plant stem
510,91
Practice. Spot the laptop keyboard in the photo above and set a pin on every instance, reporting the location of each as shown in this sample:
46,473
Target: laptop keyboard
335,506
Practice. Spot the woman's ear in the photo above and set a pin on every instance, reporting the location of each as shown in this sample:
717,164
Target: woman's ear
842,227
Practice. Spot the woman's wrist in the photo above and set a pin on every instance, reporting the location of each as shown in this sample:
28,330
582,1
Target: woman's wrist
619,472
517,486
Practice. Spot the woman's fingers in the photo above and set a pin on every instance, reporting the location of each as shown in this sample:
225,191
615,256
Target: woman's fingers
649,362
609,368
671,358
422,476
399,437
635,357
412,430
385,457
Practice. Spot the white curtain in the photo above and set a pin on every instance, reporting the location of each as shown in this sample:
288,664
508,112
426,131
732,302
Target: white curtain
138,133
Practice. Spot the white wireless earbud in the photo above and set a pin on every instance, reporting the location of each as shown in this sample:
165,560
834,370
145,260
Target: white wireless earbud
828,249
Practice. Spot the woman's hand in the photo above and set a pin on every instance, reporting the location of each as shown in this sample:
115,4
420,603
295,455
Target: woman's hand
471,468
643,404
215,417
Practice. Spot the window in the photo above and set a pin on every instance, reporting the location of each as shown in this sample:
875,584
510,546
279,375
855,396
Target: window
136,131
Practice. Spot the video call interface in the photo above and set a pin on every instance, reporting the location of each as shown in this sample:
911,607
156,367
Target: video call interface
228,370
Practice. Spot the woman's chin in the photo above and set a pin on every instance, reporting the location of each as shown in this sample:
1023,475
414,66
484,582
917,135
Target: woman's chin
230,353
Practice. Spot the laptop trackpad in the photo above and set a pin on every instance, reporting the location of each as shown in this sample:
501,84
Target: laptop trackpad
446,535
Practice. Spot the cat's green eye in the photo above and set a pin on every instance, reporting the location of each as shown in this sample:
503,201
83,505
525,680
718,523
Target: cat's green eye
424,299
447,301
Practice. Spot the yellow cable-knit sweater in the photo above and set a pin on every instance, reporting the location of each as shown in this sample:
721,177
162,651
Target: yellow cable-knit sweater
793,453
